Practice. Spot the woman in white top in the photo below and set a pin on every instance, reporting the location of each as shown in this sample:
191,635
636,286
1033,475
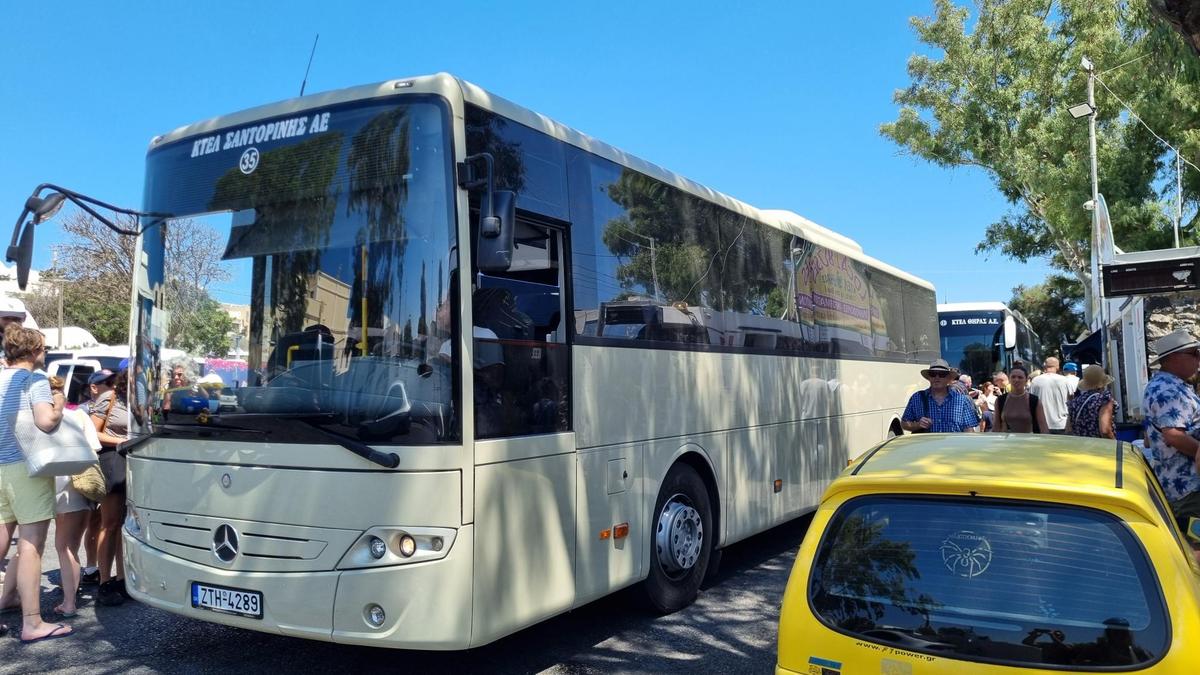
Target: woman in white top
987,404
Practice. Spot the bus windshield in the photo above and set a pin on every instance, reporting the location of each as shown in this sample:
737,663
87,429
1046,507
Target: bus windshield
972,342
331,234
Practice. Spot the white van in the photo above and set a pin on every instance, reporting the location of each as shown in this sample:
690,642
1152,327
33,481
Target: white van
75,372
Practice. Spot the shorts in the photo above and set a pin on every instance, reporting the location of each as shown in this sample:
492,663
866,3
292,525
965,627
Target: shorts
23,499
112,465
67,499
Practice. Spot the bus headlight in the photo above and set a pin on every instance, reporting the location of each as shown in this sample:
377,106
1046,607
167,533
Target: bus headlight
135,524
380,546
408,545
376,547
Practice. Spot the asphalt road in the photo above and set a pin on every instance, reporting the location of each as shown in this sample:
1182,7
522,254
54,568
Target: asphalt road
730,629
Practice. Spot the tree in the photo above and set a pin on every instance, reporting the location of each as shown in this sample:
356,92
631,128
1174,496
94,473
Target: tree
83,304
1183,16
95,267
997,99
1054,309
207,332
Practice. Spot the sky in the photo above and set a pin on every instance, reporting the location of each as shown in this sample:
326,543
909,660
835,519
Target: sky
775,103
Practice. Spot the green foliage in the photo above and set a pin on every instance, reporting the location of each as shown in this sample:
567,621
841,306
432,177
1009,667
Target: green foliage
700,249
90,305
206,332
994,94
1054,308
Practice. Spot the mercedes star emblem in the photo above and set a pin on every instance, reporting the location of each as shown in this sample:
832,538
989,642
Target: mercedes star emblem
226,481
225,543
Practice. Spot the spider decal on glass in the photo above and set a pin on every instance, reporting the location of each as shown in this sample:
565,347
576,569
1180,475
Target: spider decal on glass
966,554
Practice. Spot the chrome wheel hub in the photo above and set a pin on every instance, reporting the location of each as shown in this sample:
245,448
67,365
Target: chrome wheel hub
680,536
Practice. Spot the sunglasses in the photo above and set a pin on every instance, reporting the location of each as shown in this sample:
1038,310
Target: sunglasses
934,375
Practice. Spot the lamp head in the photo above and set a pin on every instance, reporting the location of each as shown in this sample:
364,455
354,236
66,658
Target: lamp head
44,208
1081,110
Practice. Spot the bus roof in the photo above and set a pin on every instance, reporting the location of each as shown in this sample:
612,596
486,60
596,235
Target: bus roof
785,220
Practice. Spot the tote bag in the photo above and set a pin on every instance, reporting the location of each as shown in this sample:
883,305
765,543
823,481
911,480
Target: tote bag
63,452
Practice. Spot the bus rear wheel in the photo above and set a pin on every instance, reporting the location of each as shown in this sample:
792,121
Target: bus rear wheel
681,541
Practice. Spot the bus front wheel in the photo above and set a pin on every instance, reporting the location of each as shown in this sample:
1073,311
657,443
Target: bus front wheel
681,540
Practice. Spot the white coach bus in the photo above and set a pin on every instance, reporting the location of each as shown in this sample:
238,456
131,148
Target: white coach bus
497,369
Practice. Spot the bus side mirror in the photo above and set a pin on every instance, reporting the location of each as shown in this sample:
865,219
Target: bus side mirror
497,227
1010,332
22,255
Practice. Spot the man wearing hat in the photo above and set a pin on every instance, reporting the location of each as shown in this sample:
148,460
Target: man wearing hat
939,408
1071,373
1172,412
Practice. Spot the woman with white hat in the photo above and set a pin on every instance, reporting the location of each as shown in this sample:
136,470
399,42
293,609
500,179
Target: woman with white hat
1090,412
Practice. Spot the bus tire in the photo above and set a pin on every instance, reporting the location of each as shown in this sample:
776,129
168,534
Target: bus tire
681,540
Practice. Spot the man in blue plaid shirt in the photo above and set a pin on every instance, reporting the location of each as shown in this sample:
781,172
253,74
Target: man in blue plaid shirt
939,408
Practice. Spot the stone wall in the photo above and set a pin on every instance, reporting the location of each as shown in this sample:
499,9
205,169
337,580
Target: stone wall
1167,313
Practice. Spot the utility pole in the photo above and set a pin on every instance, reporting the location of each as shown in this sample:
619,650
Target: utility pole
654,270
61,339
1095,313
1091,91
1178,197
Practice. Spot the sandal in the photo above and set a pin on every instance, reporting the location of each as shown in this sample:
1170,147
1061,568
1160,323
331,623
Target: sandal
52,635
66,615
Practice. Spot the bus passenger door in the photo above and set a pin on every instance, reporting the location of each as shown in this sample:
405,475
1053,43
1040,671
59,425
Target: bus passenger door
525,473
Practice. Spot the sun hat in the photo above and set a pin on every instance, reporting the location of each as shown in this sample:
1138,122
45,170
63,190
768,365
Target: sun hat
11,308
940,366
1094,377
1171,343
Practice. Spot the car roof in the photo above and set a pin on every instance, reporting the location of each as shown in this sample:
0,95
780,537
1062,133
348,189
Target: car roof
1065,469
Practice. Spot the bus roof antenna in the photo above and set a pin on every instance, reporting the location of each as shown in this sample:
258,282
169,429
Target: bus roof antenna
309,67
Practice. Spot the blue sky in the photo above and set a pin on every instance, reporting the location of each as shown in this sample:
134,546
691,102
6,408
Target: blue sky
775,103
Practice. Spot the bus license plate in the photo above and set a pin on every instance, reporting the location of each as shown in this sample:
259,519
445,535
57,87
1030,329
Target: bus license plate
227,600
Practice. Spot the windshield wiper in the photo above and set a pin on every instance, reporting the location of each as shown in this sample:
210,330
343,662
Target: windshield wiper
389,460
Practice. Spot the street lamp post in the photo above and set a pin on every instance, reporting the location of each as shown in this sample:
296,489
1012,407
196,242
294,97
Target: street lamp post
1089,110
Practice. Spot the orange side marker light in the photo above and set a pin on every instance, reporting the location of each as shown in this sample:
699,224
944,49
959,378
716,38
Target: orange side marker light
621,531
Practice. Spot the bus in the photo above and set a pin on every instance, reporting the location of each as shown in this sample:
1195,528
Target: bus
982,338
496,369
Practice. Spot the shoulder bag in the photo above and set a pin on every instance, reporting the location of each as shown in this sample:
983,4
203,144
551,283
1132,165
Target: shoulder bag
65,451
90,482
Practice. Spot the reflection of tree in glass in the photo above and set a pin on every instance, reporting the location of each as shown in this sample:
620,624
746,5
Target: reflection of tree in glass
293,193
485,133
703,254
861,569
380,166
977,358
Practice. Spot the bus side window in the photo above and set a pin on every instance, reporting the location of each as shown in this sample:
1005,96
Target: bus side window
521,356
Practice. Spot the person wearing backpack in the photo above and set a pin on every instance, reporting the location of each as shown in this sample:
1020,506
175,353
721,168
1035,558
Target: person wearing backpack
939,408
1019,410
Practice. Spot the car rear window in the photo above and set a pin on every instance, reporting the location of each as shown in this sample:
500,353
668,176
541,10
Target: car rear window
78,390
998,581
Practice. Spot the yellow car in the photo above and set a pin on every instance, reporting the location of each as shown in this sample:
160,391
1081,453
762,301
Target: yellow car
993,553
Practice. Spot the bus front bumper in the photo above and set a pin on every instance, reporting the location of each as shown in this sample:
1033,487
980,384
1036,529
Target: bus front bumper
427,605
